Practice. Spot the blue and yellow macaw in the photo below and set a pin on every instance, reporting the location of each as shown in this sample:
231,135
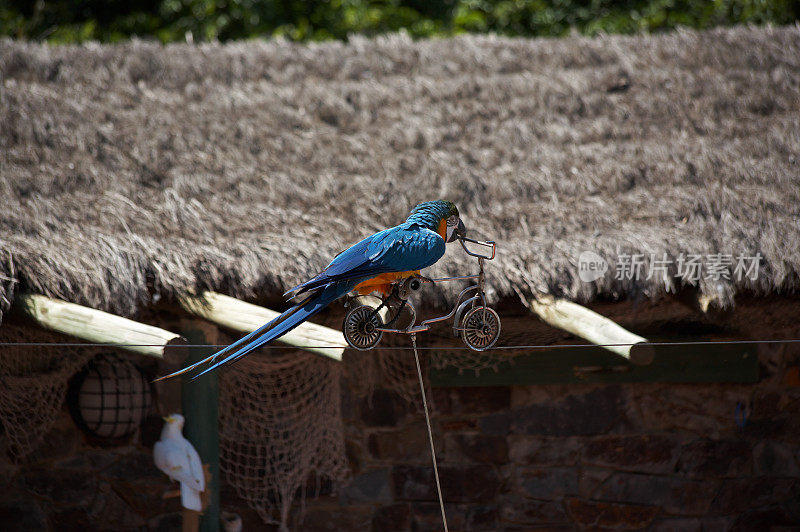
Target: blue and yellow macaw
368,266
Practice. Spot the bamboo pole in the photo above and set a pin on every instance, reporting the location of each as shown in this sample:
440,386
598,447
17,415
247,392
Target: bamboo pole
593,327
245,317
97,326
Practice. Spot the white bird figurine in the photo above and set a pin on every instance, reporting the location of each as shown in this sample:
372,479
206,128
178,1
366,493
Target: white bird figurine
175,456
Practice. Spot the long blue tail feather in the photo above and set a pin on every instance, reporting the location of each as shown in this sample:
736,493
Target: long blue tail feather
222,351
272,330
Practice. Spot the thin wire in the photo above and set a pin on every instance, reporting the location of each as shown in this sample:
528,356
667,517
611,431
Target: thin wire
402,348
430,432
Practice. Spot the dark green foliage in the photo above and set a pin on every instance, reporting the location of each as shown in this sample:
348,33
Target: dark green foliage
174,20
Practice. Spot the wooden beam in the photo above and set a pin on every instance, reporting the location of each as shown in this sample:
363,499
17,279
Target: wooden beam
245,317
97,326
593,327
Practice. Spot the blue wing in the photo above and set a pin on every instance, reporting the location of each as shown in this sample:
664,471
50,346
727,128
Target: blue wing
405,247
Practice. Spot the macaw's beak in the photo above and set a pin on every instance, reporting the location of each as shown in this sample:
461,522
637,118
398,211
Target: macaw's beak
459,231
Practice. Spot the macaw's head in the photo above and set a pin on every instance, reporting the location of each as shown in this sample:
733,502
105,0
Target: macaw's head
440,216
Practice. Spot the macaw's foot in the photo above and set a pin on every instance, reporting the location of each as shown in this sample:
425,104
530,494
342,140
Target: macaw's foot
397,314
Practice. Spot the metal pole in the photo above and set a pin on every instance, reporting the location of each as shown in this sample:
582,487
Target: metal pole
200,399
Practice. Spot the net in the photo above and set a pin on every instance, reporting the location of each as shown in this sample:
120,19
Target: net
468,360
388,369
33,383
280,429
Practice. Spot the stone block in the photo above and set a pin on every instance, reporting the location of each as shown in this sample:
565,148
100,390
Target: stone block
147,498
8,472
394,517
791,505
475,483
336,519
476,448
774,458
414,482
231,502
498,424
22,516
769,427
72,520
738,495
646,453
109,511
540,528
133,465
347,400
355,455
550,483
595,412
590,479
775,413
764,519
165,523
691,498
88,460
521,511
370,486
59,443
472,400
409,444
609,515
382,408
73,489
482,517
691,524
458,425
704,410
535,450
318,487
676,496
427,517
715,458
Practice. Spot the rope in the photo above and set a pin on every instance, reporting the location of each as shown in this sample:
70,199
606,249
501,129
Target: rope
430,432
401,348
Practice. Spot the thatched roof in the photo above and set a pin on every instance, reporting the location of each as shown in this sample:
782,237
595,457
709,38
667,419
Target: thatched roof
137,171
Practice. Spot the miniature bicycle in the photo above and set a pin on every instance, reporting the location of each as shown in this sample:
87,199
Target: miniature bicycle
478,325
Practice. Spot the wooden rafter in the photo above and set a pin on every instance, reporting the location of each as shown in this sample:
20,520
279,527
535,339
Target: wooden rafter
97,326
593,327
245,317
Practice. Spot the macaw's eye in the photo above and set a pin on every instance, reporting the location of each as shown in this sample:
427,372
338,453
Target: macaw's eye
452,221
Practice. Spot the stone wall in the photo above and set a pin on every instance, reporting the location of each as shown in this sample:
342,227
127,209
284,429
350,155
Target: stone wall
567,457
72,484
553,457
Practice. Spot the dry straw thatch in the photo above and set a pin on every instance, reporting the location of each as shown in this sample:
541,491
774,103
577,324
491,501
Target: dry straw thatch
137,171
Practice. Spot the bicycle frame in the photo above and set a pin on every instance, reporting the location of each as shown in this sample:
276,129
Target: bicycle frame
460,306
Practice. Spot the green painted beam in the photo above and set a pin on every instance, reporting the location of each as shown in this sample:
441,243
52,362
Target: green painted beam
737,363
200,400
